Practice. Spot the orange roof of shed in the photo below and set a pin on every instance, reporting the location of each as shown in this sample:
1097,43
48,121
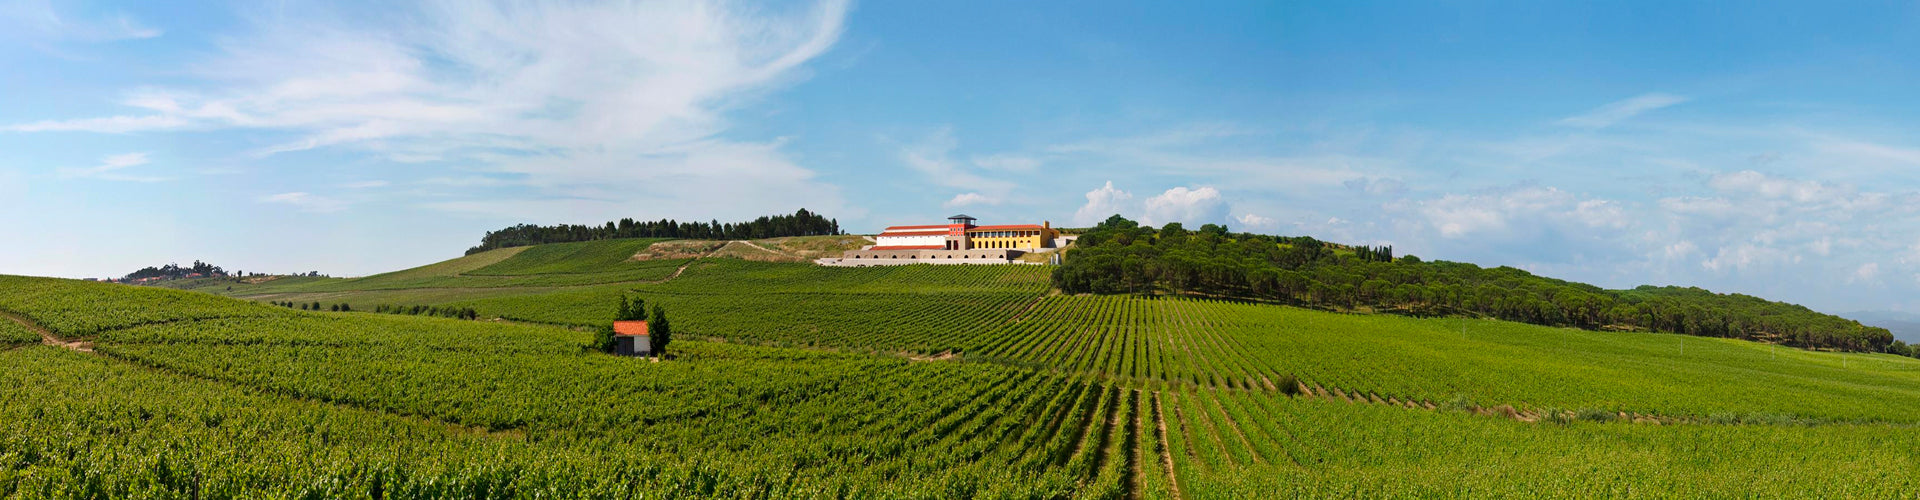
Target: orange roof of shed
630,328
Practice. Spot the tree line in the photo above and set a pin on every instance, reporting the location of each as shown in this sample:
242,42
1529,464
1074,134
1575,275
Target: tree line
435,311
801,223
1121,256
175,271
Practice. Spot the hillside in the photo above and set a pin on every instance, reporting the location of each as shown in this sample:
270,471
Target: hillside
965,380
1120,256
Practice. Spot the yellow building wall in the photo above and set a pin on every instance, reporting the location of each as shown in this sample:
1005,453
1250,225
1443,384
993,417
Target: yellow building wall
1037,239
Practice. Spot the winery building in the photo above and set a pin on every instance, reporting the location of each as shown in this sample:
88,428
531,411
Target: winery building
959,241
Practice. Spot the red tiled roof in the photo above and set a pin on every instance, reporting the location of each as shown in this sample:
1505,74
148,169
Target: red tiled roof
1009,226
630,328
910,247
941,226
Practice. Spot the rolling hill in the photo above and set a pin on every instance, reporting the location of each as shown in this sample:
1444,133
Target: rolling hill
793,380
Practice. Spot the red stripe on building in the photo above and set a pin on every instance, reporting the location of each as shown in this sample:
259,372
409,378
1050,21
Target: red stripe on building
942,226
925,247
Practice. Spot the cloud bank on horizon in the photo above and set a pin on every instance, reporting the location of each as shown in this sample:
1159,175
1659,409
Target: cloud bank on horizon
355,138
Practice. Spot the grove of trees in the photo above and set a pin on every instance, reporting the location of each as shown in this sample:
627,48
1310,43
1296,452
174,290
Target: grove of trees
1121,256
801,223
176,271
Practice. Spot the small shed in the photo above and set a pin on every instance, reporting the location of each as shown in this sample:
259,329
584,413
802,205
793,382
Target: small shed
630,339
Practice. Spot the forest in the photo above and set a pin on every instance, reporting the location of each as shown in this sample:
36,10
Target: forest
801,223
1121,256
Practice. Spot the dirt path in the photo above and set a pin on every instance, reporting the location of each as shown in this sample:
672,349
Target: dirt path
764,249
46,336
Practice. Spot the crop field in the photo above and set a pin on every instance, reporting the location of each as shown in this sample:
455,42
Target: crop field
1001,314
13,335
1174,341
791,380
570,258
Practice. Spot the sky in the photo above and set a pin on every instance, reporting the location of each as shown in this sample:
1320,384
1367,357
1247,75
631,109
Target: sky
1755,147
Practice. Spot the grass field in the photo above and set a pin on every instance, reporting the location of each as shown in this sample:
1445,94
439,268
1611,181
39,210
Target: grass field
793,380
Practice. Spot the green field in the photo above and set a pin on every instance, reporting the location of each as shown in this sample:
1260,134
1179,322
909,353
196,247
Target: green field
13,335
791,380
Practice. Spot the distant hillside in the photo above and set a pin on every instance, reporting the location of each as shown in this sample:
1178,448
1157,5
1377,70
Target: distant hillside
1905,326
1120,256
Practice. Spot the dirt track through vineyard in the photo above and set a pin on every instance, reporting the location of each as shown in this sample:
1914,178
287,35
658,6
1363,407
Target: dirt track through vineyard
47,337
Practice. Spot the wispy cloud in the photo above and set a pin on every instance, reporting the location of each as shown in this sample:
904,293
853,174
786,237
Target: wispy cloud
110,169
306,202
570,98
1197,150
1007,162
105,125
1619,111
933,156
42,22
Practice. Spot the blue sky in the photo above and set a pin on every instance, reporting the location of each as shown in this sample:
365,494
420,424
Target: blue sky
1766,148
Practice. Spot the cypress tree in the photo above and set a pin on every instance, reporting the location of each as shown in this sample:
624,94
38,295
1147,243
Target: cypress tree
659,331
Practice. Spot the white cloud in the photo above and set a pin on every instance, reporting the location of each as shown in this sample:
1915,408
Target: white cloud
306,202
1679,250
971,199
1748,181
1744,256
569,99
1253,221
110,167
1616,112
1202,205
1822,247
1186,206
1866,273
1102,203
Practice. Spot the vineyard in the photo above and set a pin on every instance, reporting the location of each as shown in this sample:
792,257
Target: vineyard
901,382
14,335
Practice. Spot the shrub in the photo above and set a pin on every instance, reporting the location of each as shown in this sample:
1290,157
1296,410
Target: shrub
1596,415
1288,384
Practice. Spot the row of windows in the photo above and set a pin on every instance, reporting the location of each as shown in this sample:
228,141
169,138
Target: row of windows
997,244
1003,234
